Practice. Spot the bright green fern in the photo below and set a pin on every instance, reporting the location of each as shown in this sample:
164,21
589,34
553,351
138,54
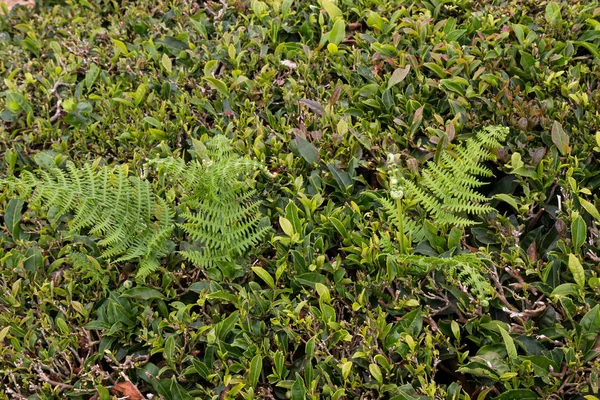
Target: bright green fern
222,217
466,270
119,209
221,214
409,226
447,190
87,268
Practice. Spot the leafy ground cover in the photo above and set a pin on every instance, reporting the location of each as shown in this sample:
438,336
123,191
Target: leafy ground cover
411,192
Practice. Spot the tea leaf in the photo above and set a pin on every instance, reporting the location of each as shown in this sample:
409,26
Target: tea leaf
576,270
560,138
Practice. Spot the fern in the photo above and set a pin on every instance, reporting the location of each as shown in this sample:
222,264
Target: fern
221,215
467,269
87,267
222,218
409,226
447,190
131,223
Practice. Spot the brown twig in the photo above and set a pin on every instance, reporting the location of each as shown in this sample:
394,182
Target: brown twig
46,378
54,91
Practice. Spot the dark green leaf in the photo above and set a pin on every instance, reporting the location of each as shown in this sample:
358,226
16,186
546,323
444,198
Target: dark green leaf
341,177
298,391
578,232
518,394
307,150
12,217
142,293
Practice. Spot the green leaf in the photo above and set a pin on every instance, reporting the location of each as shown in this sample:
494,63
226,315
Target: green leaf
286,226
564,290
103,393
255,370
577,270
517,394
406,392
4,332
560,138
455,35
119,47
454,85
542,366
435,68
310,279
507,199
62,326
198,27
346,369
142,293
152,121
591,47
170,389
218,85
552,13
139,94
398,76
590,208
323,292
210,67
332,10
374,20
307,150
92,75
412,323
578,232
169,347
519,32
12,217
341,177
298,390
376,373
201,368
223,328
339,226
291,213
264,275
166,63
590,36
509,343
527,60
590,323
338,32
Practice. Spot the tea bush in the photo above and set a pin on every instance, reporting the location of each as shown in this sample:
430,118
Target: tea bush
405,205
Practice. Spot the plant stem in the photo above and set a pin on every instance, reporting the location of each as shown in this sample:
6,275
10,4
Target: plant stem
401,223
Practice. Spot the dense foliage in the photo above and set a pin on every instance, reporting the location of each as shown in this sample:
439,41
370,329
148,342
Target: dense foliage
295,199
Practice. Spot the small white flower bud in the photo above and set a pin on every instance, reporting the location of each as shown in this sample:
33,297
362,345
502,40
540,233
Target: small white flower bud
397,194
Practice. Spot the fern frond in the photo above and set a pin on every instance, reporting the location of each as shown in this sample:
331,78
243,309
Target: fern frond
468,269
117,208
131,223
411,228
87,267
223,219
447,188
